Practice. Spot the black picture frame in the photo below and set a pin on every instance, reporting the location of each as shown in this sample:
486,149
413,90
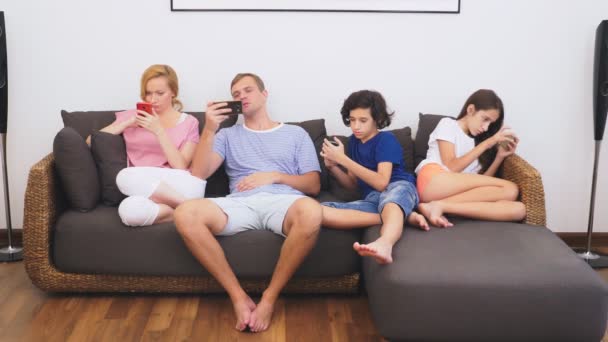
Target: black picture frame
188,6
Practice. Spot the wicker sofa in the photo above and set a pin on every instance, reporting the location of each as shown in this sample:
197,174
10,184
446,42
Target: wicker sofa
56,262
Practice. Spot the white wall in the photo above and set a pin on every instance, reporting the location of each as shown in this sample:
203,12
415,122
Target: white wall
538,56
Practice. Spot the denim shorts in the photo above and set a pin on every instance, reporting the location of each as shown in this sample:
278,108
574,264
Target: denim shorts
402,193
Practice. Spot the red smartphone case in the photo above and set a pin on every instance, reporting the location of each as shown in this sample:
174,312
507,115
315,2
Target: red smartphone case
146,107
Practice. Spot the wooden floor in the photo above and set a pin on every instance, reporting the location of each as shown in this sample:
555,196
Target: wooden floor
28,314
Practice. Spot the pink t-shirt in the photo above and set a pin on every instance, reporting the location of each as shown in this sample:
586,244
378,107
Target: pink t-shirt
143,148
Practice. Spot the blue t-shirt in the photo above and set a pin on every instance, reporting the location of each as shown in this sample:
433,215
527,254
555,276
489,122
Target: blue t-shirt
383,147
286,148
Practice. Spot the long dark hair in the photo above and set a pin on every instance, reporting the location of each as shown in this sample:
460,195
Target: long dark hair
485,99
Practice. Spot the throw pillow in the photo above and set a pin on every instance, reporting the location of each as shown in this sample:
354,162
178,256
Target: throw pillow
404,136
110,155
86,122
76,170
426,125
317,132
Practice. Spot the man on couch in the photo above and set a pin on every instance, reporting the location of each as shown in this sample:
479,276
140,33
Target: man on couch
268,188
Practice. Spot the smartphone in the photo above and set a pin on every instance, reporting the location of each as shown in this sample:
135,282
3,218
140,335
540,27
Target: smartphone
235,106
146,107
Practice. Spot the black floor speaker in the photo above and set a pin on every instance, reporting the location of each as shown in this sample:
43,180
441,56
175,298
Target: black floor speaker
600,111
3,76
600,80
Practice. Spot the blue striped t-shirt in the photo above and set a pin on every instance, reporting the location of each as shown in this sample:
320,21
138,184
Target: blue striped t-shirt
286,148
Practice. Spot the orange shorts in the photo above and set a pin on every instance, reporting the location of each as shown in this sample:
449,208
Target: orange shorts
427,172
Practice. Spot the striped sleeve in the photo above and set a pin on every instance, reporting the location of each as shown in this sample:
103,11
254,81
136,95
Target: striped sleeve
307,155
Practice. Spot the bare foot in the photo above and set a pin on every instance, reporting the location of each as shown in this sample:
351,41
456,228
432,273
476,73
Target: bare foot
261,316
418,220
243,310
379,250
433,212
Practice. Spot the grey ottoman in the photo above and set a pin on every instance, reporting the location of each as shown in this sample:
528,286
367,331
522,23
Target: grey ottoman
485,281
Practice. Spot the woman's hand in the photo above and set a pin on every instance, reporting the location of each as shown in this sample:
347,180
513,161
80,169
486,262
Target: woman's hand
333,151
215,114
149,122
131,122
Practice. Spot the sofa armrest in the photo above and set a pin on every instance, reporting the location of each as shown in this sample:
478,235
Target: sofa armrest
530,183
43,203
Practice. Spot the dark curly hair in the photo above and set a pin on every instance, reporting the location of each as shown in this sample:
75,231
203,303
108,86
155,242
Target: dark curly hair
485,99
367,99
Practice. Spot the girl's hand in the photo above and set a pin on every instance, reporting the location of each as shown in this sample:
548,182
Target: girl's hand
505,150
333,150
504,136
149,122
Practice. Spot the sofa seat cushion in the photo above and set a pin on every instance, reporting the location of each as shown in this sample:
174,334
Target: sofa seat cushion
97,242
485,281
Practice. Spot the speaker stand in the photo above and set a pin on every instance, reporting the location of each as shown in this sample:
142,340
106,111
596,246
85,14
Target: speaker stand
595,260
9,253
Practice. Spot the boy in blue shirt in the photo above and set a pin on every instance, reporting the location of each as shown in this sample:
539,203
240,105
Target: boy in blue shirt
375,165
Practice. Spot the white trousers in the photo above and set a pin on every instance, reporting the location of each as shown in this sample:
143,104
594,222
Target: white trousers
139,183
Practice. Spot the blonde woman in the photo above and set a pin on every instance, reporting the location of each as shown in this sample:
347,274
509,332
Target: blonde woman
160,146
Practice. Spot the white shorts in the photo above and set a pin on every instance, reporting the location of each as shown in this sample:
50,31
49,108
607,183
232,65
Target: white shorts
261,211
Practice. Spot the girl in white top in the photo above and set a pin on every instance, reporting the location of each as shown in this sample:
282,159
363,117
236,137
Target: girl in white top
457,177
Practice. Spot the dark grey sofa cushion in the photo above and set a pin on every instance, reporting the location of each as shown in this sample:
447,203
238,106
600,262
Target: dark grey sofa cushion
485,281
76,169
109,152
97,242
317,132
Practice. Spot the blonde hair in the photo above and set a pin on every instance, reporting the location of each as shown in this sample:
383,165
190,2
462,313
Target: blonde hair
162,70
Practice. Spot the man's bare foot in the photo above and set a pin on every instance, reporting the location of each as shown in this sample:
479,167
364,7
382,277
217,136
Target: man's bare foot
262,315
418,220
243,309
433,212
381,251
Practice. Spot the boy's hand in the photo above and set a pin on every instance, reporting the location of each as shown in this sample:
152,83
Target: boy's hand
329,163
333,150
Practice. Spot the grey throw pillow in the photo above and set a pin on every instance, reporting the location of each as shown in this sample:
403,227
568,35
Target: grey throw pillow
76,170
404,136
86,122
426,126
110,155
317,132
